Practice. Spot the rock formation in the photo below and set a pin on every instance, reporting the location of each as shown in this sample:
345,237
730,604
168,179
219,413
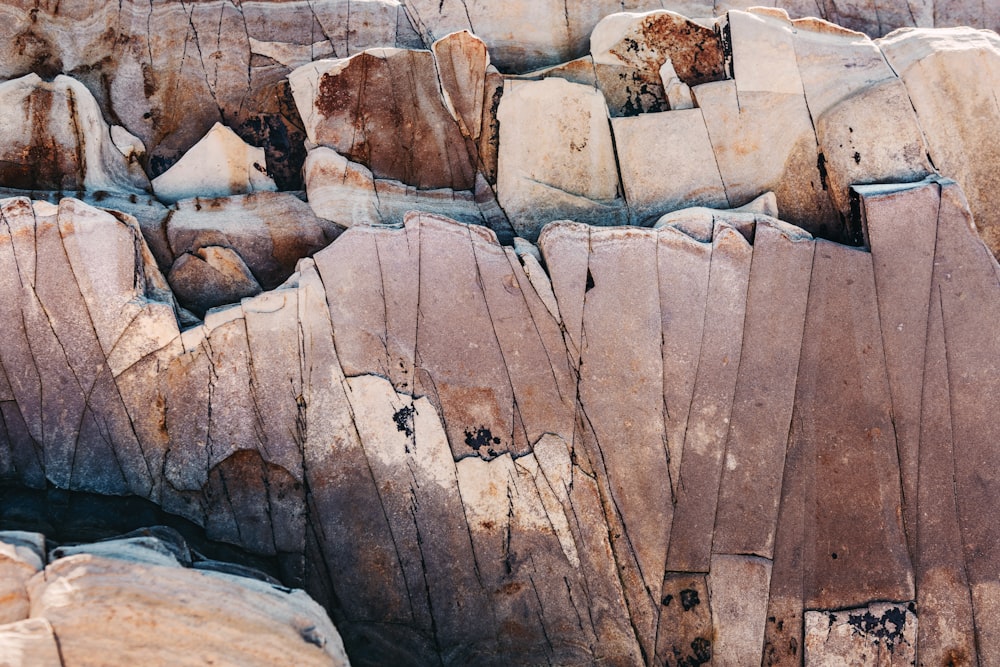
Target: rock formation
669,348
97,603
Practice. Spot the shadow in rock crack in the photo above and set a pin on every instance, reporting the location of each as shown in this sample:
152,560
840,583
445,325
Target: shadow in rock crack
74,517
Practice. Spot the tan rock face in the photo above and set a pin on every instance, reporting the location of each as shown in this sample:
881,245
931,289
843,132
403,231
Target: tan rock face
131,599
709,436
510,476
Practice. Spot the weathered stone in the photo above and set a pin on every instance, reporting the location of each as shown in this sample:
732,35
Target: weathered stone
685,634
961,261
738,588
852,499
211,276
879,634
949,77
348,194
30,641
198,616
711,403
21,556
383,108
901,222
270,231
462,61
679,141
557,158
219,165
55,138
750,489
861,147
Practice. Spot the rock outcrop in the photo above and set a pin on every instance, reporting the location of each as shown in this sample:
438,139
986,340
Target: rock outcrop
146,599
684,421
669,348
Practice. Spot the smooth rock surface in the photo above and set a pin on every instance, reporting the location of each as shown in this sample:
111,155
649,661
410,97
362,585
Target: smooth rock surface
220,164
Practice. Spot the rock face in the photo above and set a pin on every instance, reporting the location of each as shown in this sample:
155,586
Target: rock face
84,604
670,349
505,481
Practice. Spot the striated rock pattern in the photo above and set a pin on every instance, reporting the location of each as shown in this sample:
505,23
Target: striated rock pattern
678,442
137,600
673,349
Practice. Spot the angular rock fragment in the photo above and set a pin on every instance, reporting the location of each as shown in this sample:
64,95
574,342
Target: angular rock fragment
270,231
556,158
219,165
666,163
383,109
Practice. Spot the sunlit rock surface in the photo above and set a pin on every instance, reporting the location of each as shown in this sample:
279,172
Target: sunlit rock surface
568,337
145,599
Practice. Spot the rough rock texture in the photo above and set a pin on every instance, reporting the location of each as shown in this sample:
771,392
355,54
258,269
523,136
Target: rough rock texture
571,490
446,390
135,600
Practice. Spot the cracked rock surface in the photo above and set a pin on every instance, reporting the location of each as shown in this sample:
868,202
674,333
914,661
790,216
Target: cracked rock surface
673,347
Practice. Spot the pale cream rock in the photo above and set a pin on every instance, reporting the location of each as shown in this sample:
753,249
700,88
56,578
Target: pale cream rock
881,635
678,93
835,63
739,587
54,137
765,141
666,162
127,143
861,146
952,77
698,221
21,556
220,164
763,51
145,614
348,194
29,642
556,158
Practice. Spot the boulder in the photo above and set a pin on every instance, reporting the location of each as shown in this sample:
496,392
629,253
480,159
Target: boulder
557,158
54,138
220,164
270,231
211,276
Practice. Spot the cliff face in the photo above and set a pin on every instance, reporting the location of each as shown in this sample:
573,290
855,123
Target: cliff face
676,352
